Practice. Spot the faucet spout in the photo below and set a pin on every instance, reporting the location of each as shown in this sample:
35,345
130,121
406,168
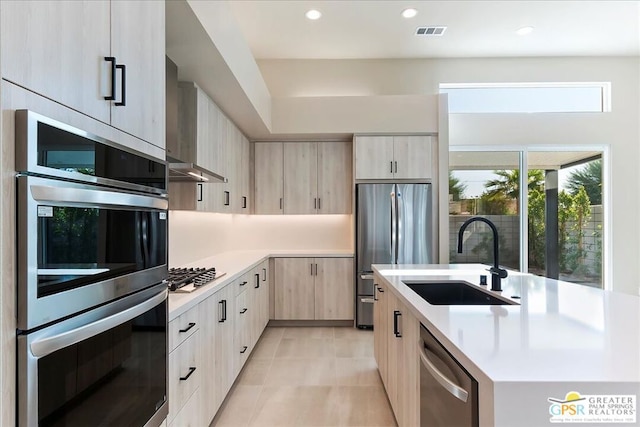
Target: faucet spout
497,273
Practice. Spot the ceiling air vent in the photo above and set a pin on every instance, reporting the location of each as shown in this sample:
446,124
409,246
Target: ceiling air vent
430,31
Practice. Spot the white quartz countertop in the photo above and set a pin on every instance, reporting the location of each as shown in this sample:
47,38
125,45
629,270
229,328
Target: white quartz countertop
234,264
560,332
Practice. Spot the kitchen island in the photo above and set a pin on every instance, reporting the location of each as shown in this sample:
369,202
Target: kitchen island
560,338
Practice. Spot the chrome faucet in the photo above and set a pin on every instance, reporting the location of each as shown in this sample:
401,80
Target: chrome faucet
497,273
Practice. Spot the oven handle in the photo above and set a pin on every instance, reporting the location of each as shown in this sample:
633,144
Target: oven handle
55,194
48,345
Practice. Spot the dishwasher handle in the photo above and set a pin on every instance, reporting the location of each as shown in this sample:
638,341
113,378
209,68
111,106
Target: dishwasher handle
458,392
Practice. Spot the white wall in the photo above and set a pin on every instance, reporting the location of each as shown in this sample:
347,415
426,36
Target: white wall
618,129
197,235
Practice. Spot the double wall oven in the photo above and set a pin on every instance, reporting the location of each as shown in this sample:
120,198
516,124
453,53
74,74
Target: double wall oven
91,285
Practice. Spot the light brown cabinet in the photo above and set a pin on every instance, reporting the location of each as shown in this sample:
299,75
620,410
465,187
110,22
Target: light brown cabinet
228,324
209,139
303,178
217,333
269,182
67,43
185,368
313,289
396,335
393,157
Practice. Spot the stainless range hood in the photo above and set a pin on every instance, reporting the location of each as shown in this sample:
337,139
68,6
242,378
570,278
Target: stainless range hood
189,172
180,171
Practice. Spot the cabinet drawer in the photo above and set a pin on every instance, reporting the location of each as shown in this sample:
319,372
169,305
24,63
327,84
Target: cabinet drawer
189,415
184,373
183,327
243,283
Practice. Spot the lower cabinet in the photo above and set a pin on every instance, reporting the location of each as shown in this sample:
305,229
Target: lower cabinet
185,368
313,289
396,336
210,343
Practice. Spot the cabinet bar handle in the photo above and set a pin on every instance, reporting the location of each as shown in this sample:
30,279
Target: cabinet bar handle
280,203
226,198
396,315
243,311
244,348
191,371
315,203
243,283
123,88
224,310
380,290
112,59
264,274
221,311
244,202
311,273
199,192
375,288
319,203
391,167
257,281
316,269
191,325
396,163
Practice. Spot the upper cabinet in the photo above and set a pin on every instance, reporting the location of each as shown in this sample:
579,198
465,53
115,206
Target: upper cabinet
209,139
303,178
58,50
269,183
393,157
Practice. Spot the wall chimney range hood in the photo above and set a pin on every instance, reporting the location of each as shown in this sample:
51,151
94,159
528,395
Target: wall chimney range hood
189,172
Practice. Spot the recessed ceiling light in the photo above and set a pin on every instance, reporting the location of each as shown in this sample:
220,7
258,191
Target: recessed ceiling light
409,13
313,14
524,31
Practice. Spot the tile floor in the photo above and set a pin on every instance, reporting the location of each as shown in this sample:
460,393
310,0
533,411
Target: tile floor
316,376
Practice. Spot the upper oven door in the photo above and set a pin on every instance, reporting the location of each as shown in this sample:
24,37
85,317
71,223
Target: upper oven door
80,246
48,147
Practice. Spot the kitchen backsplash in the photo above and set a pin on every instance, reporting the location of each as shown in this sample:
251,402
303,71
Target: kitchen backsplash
197,235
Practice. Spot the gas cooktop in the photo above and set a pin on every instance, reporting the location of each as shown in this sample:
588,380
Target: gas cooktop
189,279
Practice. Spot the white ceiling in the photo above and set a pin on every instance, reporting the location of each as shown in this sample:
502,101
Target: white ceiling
375,29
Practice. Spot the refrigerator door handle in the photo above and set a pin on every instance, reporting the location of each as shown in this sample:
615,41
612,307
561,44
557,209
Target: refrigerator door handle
394,224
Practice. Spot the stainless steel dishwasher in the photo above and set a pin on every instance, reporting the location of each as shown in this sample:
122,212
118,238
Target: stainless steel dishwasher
448,394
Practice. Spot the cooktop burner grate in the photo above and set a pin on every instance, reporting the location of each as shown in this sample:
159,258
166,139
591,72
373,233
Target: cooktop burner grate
179,277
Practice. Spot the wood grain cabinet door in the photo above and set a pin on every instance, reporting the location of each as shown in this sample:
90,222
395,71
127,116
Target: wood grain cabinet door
294,289
269,179
374,157
334,177
137,42
333,288
412,157
300,178
57,50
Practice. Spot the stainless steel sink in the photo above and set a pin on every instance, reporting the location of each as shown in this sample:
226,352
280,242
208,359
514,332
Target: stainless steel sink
455,293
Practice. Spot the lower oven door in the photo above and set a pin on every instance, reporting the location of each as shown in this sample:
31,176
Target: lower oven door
105,367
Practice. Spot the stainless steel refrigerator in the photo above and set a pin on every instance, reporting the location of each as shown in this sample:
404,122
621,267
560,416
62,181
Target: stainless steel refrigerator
394,225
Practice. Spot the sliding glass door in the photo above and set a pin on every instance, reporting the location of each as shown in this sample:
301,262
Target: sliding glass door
546,205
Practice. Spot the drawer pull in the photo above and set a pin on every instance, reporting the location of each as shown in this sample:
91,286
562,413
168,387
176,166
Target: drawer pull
243,283
191,325
257,275
191,371
244,310
244,348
